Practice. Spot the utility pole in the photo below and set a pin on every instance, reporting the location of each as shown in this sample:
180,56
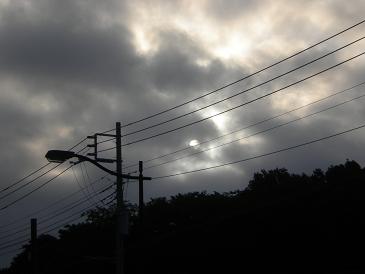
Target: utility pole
60,156
140,184
34,246
120,204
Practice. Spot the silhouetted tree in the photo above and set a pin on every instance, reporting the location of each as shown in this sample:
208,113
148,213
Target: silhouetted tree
281,223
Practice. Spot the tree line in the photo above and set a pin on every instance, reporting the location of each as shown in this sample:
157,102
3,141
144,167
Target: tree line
280,223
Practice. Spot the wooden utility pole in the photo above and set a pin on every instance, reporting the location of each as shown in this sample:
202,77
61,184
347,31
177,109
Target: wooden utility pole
121,211
34,246
140,184
120,203
59,156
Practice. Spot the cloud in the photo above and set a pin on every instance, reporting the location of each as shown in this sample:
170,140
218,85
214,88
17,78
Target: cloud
71,68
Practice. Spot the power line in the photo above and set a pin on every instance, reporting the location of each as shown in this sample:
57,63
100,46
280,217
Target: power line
10,251
50,216
261,155
106,140
38,177
39,169
88,179
32,173
67,207
245,77
28,183
244,91
79,184
212,167
76,213
24,178
249,126
202,96
78,143
50,205
84,180
7,243
107,197
256,133
53,214
71,206
187,102
240,105
37,188
24,239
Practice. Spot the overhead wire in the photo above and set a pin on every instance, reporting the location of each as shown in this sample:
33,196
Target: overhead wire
78,183
32,173
67,207
42,185
39,169
38,177
246,77
246,90
233,108
88,179
49,217
240,105
206,94
96,181
28,183
84,179
106,140
189,102
34,190
24,238
261,155
24,178
12,251
249,126
256,133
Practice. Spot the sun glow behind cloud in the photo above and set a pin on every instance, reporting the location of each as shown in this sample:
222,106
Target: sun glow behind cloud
223,42
193,143
235,46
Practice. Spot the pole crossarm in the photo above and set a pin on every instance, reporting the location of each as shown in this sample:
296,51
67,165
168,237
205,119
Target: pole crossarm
101,134
124,176
59,156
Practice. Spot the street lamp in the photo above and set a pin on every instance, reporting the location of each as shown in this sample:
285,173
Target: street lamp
60,156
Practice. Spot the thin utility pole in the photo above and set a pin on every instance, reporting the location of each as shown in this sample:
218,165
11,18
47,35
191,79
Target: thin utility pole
34,246
140,184
121,210
120,204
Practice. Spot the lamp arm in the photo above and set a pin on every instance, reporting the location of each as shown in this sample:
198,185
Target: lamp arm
84,158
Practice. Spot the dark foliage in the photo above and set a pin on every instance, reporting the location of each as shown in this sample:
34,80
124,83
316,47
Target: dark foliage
281,223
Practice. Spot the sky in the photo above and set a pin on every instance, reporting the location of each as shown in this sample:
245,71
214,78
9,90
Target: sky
69,69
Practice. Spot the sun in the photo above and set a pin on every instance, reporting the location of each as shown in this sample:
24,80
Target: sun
234,46
193,143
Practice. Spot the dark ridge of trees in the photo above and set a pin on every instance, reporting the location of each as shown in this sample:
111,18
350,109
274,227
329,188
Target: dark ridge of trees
281,223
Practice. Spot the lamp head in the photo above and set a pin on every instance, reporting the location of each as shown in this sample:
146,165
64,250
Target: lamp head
59,156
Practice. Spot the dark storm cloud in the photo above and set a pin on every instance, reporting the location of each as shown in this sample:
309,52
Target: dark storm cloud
52,50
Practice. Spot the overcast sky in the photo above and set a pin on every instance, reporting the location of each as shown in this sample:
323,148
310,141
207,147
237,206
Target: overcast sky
70,68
